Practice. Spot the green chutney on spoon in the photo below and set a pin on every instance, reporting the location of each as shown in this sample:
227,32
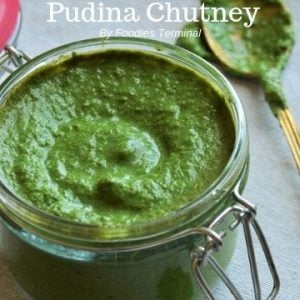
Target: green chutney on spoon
260,52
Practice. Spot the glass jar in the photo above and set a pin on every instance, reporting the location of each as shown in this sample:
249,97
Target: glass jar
52,258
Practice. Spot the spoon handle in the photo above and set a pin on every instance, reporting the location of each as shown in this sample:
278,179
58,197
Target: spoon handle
275,97
291,132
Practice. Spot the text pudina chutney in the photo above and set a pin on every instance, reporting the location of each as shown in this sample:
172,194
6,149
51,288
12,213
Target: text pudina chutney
114,138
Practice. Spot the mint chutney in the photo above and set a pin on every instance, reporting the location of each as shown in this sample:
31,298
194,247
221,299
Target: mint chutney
114,138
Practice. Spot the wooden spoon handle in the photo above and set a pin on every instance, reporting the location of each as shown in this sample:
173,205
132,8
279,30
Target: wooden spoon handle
291,132
277,101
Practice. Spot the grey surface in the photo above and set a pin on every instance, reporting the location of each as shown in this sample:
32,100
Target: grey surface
273,185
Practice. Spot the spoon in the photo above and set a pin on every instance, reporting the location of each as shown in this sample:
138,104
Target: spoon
259,52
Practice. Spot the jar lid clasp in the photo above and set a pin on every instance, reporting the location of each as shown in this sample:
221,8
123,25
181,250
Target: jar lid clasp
244,213
12,55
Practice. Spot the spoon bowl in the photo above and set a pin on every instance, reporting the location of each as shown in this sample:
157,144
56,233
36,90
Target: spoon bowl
259,52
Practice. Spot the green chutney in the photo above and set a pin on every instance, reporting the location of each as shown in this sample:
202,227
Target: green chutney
113,138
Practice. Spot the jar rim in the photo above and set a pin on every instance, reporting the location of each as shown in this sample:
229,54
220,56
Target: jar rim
56,228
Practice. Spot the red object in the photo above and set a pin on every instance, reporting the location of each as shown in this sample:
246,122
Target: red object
9,12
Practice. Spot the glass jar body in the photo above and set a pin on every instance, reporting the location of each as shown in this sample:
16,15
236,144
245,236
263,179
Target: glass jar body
46,270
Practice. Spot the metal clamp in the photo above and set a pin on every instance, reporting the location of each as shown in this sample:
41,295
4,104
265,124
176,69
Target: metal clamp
12,55
244,213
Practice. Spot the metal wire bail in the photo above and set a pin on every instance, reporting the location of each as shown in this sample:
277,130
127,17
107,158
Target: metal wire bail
244,213
12,55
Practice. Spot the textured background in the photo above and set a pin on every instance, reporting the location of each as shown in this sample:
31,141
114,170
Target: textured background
273,184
